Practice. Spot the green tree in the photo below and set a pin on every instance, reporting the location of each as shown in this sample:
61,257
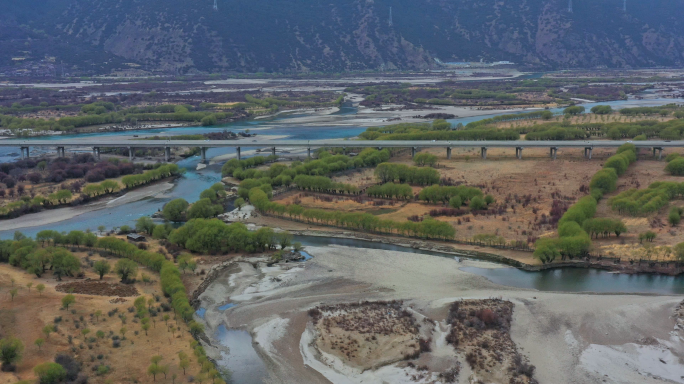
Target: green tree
13,292
239,203
50,373
102,268
477,203
174,210
184,364
204,209
11,350
125,268
674,217
68,300
48,329
145,224
39,342
40,288
64,263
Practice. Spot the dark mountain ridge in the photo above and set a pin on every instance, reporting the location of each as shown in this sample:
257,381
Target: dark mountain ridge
179,36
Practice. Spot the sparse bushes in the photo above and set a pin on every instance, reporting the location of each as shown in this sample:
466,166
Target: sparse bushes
50,373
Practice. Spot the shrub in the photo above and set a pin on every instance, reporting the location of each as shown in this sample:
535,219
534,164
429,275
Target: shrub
50,373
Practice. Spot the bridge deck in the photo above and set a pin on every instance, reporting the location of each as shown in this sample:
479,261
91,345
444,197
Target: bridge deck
332,143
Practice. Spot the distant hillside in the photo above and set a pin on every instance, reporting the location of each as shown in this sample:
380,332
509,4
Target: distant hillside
177,36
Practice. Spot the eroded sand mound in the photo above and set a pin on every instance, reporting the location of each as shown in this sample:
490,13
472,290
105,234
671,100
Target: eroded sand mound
367,335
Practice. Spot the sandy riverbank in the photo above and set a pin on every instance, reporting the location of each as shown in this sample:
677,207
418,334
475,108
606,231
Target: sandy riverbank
570,338
60,214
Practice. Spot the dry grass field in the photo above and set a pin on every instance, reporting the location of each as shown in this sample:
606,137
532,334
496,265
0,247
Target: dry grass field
26,315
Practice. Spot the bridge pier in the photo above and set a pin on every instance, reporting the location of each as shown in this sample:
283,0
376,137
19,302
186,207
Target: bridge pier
660,153
587,152
237,149
96,153
273,151
130,154
448,153
167,154
483,153
553,152
60,152
518,152
308,153
22,152
413,152
203,150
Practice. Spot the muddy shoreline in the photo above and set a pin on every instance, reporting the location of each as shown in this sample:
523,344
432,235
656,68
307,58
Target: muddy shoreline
426,245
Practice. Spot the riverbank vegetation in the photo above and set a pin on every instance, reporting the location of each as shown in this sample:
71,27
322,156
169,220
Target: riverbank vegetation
32,185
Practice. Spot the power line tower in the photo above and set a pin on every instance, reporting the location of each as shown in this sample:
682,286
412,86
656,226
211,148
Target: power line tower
215,5
390,18
570,6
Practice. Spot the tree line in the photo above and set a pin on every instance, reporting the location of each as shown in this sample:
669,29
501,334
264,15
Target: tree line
163,171
389,172
324,184
429,228
391,191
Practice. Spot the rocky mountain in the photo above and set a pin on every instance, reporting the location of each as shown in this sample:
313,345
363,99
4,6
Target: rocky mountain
180,36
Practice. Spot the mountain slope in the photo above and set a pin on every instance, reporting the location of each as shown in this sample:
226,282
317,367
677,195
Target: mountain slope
314,35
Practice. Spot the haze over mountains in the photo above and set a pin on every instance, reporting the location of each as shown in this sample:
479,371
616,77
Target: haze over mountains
181,36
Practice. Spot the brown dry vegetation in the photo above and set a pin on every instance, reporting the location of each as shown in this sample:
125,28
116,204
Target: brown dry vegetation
26,315
581,119
481,331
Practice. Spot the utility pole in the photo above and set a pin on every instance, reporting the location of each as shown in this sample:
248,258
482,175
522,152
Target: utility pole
390,18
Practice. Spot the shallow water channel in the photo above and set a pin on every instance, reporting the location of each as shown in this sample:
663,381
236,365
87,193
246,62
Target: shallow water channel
561,280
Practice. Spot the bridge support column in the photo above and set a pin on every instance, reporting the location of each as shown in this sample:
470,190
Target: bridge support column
273,151
237,149
518,152
659,149
587,152
308,153
448,153
60,151
96,153
483,153
203,150
22,152
413,152
167,154
554,152
130,154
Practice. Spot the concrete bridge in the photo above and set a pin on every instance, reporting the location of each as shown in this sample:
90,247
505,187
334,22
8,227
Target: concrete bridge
95,145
